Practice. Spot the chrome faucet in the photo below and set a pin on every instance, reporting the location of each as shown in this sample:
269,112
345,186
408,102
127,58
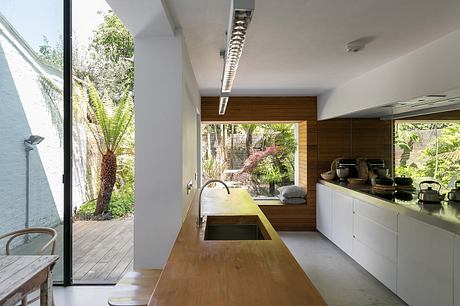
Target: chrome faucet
199,220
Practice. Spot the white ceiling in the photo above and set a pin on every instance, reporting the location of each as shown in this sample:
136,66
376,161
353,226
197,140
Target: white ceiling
297,47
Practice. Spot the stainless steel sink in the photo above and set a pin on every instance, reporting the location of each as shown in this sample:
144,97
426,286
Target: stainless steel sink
235,228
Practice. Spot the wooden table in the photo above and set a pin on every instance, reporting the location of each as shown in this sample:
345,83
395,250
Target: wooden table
21,275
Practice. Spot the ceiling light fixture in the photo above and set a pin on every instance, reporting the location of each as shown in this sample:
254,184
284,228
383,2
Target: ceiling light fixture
241,12
223,104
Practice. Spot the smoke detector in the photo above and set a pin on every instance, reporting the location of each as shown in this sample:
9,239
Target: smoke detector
355,46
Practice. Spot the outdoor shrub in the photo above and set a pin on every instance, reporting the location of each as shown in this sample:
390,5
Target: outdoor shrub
122,203
86,211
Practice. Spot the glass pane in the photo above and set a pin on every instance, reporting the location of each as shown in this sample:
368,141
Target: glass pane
31,103
428,150
259,157
103,162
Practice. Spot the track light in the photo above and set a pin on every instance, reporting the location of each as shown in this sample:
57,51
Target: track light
240,16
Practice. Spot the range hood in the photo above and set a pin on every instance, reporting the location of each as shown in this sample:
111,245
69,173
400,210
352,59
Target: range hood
424,105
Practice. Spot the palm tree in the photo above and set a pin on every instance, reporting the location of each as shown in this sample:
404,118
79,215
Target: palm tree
110,123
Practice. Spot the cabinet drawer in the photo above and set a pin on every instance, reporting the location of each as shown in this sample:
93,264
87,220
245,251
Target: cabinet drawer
425,263
324,210
380,239
342,222
382,216
380,267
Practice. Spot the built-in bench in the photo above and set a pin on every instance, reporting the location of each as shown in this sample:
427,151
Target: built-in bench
285,217
135,288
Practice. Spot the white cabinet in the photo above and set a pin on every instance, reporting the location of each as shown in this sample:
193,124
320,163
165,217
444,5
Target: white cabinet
457,271
342,221
375,241
425,263
324,210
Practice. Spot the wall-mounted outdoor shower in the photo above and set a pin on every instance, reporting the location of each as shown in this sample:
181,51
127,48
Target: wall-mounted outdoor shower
28,146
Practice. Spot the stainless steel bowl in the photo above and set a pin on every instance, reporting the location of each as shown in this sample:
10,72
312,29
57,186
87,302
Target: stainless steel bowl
342,173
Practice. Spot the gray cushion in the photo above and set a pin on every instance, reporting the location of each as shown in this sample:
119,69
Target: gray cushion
292,200
292,191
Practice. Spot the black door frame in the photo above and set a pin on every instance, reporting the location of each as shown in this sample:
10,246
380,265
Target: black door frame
67,177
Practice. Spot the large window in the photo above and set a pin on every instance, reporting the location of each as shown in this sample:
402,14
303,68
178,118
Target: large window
258,157
428,150
32,123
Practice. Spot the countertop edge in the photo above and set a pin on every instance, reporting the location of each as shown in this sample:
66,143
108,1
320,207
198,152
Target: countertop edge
379,202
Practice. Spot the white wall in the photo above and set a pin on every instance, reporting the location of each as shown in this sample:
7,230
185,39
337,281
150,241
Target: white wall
25,110
166,96
191,107
431,69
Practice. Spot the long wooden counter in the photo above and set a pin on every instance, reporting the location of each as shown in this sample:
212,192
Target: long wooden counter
232,273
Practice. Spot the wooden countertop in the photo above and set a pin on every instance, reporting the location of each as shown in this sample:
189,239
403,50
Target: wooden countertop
231,273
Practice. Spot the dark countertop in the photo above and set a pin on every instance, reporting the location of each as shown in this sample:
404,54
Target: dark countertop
445,215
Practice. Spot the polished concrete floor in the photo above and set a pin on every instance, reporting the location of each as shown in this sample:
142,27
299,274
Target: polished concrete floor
340,280
80,296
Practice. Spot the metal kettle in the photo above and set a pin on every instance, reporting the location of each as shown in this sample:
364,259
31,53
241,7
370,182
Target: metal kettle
429,194
454,194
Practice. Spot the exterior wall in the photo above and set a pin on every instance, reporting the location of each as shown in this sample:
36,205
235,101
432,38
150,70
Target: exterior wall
26,108
24,112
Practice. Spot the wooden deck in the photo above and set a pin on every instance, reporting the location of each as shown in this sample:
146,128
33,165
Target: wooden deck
102,250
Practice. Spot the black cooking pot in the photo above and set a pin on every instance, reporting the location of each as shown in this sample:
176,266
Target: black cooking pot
384,181
403,181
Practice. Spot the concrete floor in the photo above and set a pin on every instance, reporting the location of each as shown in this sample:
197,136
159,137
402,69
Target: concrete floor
340,280
80,296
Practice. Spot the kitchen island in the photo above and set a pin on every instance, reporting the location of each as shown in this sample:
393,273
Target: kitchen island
231,272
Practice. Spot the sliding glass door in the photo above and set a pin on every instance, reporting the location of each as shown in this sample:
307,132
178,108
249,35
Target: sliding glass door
32,123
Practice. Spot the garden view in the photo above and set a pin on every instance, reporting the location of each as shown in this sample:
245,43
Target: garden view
258,157
103,111
428,150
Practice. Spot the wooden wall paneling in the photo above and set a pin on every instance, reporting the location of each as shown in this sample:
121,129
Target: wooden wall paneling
262,109
287,217
303,154
334,140
368,138
389,146
312,172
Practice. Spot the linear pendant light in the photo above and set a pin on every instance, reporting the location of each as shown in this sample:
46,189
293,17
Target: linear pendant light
240,16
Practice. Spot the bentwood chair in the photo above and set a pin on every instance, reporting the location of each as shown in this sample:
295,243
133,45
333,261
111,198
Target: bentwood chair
47,245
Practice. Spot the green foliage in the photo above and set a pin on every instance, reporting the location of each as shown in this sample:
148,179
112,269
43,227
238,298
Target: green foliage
268,171
440,159
52,55
212,168
112,120
86,210
121,205
111,52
